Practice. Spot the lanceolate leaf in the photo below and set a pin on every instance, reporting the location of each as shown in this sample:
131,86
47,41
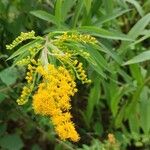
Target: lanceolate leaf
139,26
66,6
139,58
137,6
94,96
110,17
135,31
58,11
144,110
99,32
45,16
87,4
25,48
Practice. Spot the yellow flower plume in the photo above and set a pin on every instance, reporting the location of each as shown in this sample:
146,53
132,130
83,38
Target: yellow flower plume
53,99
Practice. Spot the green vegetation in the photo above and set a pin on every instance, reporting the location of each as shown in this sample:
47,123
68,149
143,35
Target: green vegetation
110,113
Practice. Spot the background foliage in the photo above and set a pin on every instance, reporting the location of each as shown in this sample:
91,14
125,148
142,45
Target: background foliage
117,101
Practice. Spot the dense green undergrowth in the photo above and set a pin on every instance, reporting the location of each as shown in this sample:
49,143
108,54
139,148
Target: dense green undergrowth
111,113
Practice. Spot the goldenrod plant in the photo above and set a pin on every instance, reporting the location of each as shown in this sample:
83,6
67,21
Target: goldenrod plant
53,69
74,74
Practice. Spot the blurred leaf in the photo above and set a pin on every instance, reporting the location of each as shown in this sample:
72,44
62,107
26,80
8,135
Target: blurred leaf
98,128
87,4
9,75
108,6
2,96
66,6
136,73
146,35
116,99
77,13
120,116
36,147
135,31
45,16
134,123
110,17
132,104
144,110
3,128
58,11
139,58
137,6
11,142
94,96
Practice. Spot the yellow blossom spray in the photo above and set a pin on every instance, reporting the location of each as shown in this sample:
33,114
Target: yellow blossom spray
52,68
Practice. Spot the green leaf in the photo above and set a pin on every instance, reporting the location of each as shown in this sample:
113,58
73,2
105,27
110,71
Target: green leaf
2,97
136,30
137,6
139,58
93,60
134,123
25,48
98,128
11,142
77,13
9,75
116,99
144,112
110,17
99,32
146,35
111,53
131,108
3,128
95,54
36,147
136,73
108,6
94,96
58,11
66,6
45,16
87,4
120,116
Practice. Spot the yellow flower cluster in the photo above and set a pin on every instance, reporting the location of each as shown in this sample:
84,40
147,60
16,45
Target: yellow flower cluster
29,76
84,54
53,99
24,95
81,72
24,61
23,36
26,91
35,49
78,38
